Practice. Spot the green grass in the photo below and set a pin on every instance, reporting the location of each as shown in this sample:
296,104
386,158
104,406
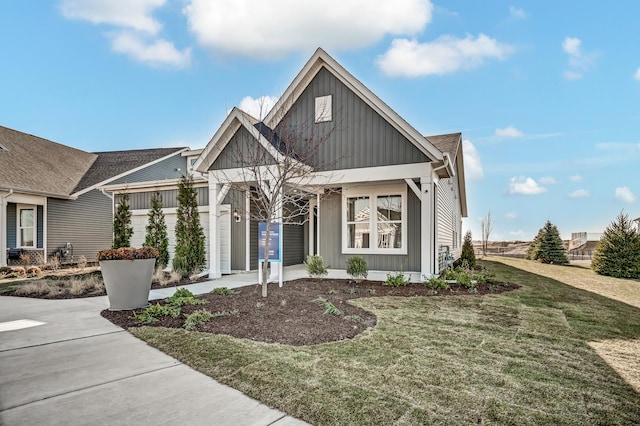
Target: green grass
516,358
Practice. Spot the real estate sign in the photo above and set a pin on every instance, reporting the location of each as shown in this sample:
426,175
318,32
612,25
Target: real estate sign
274,244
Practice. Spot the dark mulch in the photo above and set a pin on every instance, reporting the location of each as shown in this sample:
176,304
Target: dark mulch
291,315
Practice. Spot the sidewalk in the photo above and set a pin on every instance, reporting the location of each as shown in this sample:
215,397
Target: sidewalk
70,366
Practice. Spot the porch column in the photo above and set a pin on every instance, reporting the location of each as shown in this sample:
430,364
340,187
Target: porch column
312,204
214,244
427,240
247,224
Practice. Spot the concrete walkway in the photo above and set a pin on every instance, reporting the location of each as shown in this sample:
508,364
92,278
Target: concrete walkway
61,363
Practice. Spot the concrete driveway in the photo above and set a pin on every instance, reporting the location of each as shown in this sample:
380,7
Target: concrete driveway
70,366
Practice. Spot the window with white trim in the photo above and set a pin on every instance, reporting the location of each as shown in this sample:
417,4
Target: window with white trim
26,226
374,220
323,108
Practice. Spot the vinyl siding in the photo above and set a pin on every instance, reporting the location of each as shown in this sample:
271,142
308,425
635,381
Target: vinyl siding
86,223
142,200
166,169
293,244
253,242
357,136
447,219
12,225
242,150
238,230
331,238
40,227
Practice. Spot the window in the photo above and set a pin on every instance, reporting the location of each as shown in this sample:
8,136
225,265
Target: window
323,108
374,220
26,226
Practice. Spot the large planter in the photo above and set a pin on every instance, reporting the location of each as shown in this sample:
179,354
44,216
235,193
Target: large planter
127,282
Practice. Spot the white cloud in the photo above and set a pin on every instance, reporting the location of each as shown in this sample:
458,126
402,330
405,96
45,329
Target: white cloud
637,74
446,54
157,52
270,29
511,215
509,132
579,61
518,233
547,180
516,13
576,178
579,193
135,14
258,107
525,186
623,193
472,164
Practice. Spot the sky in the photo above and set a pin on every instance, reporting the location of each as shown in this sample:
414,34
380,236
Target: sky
545,93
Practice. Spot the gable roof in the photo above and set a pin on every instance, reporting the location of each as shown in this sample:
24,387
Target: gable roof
321,59
446,143
112,164
39,166
451,145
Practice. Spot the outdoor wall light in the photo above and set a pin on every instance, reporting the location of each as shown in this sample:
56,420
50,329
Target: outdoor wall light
236,215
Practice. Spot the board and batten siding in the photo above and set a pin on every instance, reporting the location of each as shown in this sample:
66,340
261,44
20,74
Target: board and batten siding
171,168
447,218
142,200
86,223
242,150
331,235
357,135
39,226
236,199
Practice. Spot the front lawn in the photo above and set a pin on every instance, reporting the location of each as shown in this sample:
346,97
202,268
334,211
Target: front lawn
520,357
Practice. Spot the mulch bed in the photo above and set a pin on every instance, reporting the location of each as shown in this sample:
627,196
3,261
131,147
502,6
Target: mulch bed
292,315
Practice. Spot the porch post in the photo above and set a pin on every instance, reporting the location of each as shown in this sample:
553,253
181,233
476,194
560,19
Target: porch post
214,244
248,236
312,204
427,241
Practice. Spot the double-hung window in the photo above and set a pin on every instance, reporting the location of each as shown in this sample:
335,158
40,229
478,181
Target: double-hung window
374,220
26,226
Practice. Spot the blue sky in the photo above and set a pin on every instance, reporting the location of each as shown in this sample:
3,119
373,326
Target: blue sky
545,93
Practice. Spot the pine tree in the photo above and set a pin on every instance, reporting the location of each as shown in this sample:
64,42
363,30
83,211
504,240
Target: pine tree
157,231
618,252
534,246
467,250
122,229
190,251
548,247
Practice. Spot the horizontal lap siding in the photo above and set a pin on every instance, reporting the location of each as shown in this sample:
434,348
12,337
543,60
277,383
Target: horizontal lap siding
86,223
40,227
331,239
142,200
357,136
447,218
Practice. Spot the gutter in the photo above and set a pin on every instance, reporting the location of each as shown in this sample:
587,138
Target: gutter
447,163
39,193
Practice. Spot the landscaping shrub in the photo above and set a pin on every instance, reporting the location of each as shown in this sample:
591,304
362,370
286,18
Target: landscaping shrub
357,268
437,284
329,308
183,297
468,253
34,272
157,230
122,229
198,317
222,291
547,246
396,279
189,251
154,312
315,266
618,252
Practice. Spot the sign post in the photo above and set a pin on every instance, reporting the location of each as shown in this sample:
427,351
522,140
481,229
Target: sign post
274,247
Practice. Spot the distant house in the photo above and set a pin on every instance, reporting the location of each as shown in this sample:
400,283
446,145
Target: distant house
50,201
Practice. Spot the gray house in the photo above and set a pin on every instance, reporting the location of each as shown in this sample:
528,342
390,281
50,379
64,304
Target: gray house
50,201
371,161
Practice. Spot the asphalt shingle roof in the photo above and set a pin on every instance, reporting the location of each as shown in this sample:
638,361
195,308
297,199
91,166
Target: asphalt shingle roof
446,143
32,164
113,163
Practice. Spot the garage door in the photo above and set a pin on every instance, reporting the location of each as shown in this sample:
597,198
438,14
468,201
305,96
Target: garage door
139,221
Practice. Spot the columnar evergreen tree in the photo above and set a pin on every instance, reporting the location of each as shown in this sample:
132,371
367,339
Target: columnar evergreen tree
467,250
157,231
122,229
618,252
190,251
548,247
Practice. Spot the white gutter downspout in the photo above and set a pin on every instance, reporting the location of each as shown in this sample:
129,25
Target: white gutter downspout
3,227
113,208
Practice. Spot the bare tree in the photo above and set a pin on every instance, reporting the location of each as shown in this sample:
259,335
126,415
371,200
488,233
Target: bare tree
486,226
278,168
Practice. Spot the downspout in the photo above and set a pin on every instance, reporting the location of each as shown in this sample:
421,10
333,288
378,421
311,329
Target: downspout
3,227
113,209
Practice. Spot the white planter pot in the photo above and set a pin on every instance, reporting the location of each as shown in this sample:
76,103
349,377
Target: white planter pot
127,282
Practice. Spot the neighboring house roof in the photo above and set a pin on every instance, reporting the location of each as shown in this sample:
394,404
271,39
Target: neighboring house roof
321,59
39,166
114,163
